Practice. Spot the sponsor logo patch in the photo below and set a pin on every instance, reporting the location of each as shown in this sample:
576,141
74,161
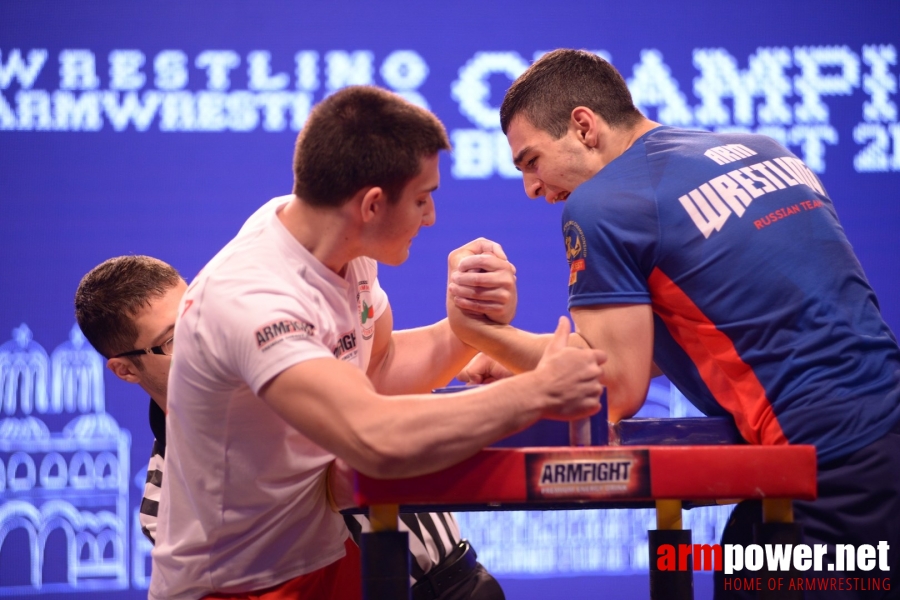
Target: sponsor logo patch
576,249
276,331
366,310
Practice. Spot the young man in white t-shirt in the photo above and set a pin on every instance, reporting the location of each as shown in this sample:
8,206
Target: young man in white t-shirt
287,358
126,307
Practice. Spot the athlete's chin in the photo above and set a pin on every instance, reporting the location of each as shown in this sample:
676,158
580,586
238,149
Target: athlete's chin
395,259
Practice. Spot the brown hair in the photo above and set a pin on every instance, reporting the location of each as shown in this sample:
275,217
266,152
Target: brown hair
113,293
558,82
363,136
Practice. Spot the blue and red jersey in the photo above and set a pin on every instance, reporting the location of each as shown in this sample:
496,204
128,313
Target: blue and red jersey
761,309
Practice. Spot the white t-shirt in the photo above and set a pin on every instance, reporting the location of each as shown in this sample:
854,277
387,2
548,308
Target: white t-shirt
243,500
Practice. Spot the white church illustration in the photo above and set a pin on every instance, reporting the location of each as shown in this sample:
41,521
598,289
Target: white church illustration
70,484
66,525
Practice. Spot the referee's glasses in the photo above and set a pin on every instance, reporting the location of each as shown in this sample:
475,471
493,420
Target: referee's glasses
164,349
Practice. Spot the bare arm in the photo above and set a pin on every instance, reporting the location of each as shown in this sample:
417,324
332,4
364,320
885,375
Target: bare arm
516,349
414,360
468,286
418,360
337,407
625,332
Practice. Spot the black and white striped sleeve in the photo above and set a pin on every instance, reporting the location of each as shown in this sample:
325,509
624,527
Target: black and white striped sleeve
152,490
153,485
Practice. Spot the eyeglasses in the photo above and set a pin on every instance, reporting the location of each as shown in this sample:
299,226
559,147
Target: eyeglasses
165,349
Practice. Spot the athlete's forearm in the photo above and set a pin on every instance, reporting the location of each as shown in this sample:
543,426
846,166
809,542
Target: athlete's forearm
413,435
337,407
420,360
516,349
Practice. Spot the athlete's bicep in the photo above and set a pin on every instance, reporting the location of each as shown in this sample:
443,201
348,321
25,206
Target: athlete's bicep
328,401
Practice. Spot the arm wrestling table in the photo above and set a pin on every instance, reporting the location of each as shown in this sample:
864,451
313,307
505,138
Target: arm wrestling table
581,477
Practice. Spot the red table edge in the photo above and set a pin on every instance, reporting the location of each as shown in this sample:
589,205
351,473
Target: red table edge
498,475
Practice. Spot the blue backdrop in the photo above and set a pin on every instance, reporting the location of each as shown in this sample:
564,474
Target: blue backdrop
157,128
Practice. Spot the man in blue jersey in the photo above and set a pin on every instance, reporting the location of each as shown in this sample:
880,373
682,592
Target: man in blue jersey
717,260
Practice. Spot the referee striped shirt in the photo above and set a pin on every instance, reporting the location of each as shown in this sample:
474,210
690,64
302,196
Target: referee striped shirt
432,536
153,485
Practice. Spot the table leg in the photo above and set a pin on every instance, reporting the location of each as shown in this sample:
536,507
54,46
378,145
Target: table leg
778,527
671,579
385,556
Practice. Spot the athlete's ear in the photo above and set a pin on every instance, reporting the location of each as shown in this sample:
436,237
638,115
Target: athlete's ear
124,369
587,125
372,204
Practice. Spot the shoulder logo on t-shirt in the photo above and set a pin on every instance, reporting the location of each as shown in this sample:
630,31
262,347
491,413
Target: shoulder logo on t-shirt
576,249
366,310
277,331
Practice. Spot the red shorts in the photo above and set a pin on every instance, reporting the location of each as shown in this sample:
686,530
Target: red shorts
341,580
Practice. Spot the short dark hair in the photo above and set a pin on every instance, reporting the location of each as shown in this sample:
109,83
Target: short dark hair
558,82
111,295
363,136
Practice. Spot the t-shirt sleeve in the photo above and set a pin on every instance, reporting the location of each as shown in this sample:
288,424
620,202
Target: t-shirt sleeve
611,236
265,333
379,299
